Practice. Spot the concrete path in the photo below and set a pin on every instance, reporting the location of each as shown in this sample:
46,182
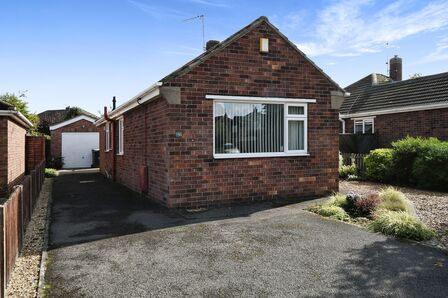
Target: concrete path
106,242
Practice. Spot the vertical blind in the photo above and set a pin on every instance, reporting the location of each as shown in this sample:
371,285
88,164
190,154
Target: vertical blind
249,128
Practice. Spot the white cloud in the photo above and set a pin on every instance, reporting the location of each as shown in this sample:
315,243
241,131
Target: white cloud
209,3
157,12
349,28
440,54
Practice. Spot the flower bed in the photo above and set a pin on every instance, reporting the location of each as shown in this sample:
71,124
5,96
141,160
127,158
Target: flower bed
386,212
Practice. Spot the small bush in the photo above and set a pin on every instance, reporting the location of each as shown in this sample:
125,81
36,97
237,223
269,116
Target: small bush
330,211
337,200
401,225
366,206
345,171
55,162
379,165
430,169
49,172
406,151
393,200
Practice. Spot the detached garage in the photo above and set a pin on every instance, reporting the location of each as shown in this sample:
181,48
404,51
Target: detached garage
74,140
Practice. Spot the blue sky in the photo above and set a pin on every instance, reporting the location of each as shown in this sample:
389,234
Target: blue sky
83,52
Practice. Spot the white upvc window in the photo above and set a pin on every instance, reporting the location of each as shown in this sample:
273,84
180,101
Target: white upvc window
259,128
120,136
364,126
108,139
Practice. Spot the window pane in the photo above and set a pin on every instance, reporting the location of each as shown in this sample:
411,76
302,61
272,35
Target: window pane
368,127
358,127
296,136
292,110
248,128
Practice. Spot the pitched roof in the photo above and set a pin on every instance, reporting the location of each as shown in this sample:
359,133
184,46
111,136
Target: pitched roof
52,117
220,46
368,95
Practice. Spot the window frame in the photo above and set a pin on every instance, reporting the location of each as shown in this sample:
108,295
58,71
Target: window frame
120,136
364,120
287,117
107,145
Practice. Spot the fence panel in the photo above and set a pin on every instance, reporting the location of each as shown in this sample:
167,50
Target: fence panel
12,232
356,159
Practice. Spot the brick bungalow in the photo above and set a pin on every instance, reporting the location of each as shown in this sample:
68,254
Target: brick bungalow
393,109
252,118
13,128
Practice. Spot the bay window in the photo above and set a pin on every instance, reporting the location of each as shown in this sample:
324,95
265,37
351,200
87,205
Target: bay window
259,128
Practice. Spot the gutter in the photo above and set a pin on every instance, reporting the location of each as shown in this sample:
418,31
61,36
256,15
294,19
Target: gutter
17,116
415,108
146,95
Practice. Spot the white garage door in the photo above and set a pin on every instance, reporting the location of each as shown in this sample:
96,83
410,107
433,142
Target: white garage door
77,148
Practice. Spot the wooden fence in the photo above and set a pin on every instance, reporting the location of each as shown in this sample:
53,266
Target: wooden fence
15,215
356,159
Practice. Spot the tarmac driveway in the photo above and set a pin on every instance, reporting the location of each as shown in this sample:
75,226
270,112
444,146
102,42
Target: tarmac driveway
106,242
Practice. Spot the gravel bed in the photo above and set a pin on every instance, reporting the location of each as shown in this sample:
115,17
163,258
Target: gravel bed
25,277
431,207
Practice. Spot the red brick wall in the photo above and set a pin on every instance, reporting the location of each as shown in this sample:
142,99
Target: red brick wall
34,151
392,127
78,126
12,154
3,155
194,177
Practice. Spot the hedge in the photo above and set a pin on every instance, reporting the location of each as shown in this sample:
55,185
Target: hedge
420,162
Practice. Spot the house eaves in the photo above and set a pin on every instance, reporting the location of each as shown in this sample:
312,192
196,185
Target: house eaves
17,116
72,120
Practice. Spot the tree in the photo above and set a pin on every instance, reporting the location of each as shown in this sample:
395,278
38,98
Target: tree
21,105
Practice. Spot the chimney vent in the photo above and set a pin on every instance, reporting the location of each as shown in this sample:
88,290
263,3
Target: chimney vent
114,103
395,68
210,44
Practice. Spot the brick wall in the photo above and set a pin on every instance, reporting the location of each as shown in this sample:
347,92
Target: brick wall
183,172
392,127
78,126
16,153
34,151
3,155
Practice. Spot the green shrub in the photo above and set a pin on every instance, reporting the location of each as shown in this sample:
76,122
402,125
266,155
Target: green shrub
338,200
405,152
430,170
346,170
379,165
49,172
401,225
334,212
393,200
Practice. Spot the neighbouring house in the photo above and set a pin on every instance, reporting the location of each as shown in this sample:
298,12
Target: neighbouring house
74,139
392,109
13,129
252,118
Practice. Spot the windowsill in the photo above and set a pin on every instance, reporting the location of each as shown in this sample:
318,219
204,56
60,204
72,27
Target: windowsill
108,150
120,154
259,155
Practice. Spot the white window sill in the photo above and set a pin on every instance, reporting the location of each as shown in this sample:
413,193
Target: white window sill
120,154
258,155
107,150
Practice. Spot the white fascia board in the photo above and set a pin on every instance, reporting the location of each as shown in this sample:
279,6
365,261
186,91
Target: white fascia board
73,120
397,110
16,115
259,99
144,96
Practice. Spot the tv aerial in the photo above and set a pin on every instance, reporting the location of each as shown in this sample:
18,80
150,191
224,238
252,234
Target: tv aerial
201,18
